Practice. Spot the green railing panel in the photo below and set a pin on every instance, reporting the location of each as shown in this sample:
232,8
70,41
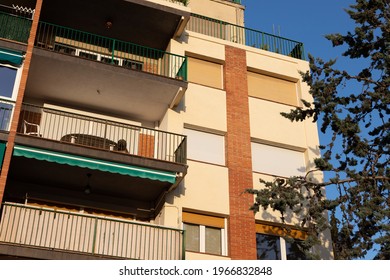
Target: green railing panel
245,36
96,235
108,50
15,28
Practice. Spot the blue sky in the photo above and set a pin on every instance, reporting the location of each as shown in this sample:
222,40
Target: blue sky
306,21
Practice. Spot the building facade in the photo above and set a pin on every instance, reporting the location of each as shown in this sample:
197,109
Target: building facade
130,129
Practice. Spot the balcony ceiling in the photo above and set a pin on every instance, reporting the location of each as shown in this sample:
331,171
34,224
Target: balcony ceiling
137,21
95,86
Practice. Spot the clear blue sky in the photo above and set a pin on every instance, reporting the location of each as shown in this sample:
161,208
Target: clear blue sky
306,21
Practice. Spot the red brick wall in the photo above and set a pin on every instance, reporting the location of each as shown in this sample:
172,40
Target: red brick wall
19,100
242,237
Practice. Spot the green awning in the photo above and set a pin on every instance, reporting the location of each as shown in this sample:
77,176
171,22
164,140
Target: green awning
94,164
2,151
11,57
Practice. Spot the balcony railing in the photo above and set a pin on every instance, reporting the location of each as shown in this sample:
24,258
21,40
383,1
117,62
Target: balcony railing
180,2
6,112
88,234
245,36
14,27
108,50
101,134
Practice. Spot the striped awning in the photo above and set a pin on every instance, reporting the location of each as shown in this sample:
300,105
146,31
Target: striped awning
11,57
95,164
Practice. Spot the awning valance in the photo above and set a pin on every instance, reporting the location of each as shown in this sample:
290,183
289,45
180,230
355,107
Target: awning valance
95,164
2,151
11,57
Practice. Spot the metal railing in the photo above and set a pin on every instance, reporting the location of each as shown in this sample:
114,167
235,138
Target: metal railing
108,50
14,27
245,36
6,113
180,2
91,234
102,134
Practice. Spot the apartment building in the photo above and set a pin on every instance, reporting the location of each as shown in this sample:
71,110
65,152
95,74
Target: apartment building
129,129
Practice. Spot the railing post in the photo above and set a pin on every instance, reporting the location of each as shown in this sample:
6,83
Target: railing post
94,236
183,245
113,51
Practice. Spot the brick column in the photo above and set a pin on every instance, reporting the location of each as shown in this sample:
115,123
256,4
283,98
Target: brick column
19,100
242,237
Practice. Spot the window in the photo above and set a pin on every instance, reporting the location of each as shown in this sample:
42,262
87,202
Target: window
271,245
206,147
268,247
6,109
204,233
272,88
277,161
7,81
205,72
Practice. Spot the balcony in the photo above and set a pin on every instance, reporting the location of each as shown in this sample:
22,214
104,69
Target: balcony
148,23
101,134
245,36
29,229
14,26
77,159
105,73
111,51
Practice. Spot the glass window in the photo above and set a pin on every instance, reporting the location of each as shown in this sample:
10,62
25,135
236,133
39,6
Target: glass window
5,115
213,241
204,239
7,81
268,247
192,237
293,252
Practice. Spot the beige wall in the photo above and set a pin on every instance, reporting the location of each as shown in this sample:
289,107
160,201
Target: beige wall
205,189
268,125
205,107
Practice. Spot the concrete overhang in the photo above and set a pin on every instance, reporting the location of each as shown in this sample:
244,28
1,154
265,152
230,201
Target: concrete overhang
148,23
81,83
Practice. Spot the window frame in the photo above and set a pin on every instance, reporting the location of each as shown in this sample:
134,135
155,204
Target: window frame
203,222
282,246
11,100
271,229
17,80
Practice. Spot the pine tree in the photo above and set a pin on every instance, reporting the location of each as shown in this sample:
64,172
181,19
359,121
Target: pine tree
356,159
